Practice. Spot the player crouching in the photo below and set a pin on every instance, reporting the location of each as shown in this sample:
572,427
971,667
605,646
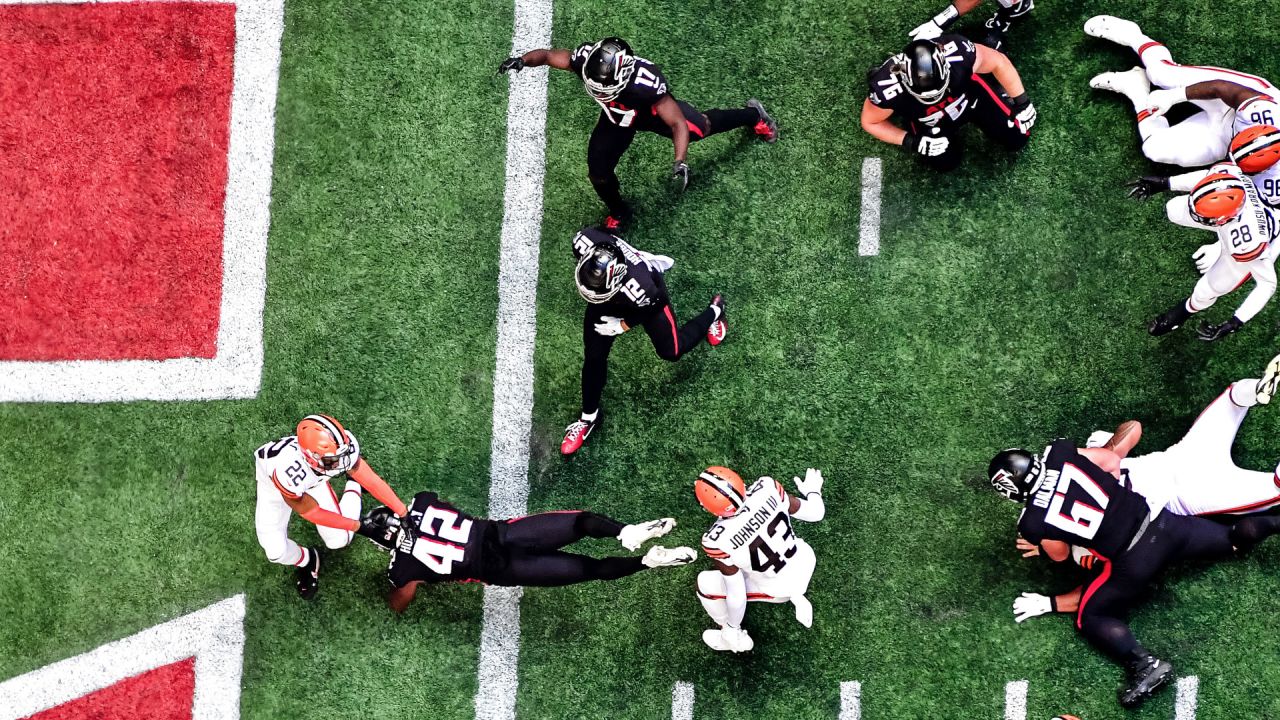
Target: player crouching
757,556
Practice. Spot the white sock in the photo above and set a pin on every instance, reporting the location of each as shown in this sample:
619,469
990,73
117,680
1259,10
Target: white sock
718,610
590,417
1244,393
350,504
303,556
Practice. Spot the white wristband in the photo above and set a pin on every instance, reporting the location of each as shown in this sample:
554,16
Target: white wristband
948,15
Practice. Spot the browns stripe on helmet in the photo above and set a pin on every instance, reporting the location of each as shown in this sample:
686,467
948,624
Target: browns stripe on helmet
720,491
1257,148
325,444
1218,198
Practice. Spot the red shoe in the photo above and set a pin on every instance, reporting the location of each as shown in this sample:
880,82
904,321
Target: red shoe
616,223
766,128
719,328
575,435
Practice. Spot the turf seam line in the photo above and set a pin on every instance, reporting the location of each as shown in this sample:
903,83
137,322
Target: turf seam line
213,635
1185,704
682,697
236,369
851,700
1015,700
497,674
869,219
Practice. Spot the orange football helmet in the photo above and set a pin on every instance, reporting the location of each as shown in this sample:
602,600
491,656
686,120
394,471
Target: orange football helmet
1218,198
326,446
720,491
1257,148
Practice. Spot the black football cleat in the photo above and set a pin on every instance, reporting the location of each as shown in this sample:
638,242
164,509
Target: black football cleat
1147,674
720,328
766,128
309,577
995,34
1169,320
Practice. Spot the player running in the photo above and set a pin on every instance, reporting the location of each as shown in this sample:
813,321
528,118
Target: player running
439,543
633,97
936,88
1230,101
293,477
624,288
998,25
757,556
1076,497
1227,202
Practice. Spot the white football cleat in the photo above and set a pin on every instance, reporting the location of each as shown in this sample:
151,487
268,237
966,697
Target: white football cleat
727,639
1206,256
1132,83
1270,379
659,556
1110,27
633,536
804,610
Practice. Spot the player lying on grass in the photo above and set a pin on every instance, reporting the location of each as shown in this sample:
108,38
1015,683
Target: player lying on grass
1079,497
633,97
998,25
293,476
624,288
437,542
935,88
1255,150
1229,101
1226,201
757,556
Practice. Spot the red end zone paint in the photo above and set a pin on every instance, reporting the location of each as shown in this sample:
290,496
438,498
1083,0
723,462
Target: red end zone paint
114,122
161,694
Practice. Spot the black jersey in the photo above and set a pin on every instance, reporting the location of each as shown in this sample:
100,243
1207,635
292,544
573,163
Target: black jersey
643,291
948,113
445,544
634,106
1078,503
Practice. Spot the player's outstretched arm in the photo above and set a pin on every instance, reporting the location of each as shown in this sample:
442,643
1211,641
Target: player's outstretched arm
377,487
945,18
999,65
1106,459
1160,102
1125,438
669,110
875,120
1029,605
399,598
808,504
556,58
310,510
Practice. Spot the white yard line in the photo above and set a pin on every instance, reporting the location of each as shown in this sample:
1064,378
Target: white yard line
513,373
1185,705
1015,700
235,371
869,220
682,701
851,700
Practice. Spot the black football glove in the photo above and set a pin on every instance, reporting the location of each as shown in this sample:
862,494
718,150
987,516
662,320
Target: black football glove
1147,186
1209,333
513,64
380,525
680,175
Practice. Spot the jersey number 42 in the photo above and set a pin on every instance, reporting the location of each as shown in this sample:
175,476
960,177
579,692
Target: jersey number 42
440,546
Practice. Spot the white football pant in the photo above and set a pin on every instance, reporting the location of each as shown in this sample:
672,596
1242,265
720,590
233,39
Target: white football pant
790,586
271,518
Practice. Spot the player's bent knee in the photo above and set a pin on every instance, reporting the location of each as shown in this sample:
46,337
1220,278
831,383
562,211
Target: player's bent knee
710,582
335,541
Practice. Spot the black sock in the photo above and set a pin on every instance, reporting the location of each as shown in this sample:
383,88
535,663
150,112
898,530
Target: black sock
1248,532
722,120
598,526
610,192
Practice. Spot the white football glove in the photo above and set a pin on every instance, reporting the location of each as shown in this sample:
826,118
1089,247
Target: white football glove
1160,102
1206,256
927,31
727,639
1098,438
609,326
933,146
812,482
1026,118
1030,605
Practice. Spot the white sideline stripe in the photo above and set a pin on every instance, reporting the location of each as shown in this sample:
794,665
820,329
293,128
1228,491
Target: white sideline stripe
851,700
682,701
1185,704
869,220
1015,700
235,371
498,677
214,636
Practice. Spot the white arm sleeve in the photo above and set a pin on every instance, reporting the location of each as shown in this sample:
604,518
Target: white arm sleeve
1180,213
1264,278
1186,182
812,508
735,597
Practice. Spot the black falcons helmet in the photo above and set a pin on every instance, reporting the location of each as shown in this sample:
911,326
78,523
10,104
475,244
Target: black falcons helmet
608,68
1014,473
600,272
924,71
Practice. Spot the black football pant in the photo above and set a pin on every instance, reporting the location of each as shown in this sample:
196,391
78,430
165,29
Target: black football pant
991,113
533,556
671,343
1169,539
609,141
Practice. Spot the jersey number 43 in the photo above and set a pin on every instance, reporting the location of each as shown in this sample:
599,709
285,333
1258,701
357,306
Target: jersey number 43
767,555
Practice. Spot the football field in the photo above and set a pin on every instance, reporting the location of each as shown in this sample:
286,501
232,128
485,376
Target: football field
1006,305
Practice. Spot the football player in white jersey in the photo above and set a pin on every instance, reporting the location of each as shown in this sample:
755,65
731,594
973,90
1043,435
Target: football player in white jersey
1255,150
998,25
1231,101
1227,202
293,475
757,556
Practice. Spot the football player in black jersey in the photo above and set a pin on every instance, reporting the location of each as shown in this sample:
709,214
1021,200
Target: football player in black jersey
624,288
1075,497
437,542
936,87
633,95
998,25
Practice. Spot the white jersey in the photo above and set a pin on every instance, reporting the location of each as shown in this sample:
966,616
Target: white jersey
758,539
281,463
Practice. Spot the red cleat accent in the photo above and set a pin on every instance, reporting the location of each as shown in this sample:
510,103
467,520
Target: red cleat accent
716,333
612,223
575,435
766,133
